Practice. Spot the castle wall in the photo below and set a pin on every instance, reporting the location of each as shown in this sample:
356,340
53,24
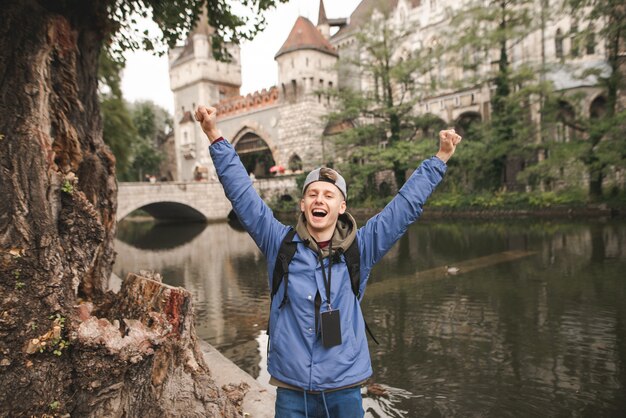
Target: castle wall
300,128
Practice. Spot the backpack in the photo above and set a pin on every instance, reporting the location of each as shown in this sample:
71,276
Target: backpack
281,272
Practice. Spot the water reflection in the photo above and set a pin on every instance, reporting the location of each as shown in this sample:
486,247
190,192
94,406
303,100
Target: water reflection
159,236
541,335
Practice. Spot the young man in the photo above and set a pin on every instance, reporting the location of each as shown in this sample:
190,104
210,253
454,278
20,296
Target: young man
318,355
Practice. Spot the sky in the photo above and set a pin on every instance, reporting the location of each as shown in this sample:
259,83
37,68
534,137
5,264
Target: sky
146,76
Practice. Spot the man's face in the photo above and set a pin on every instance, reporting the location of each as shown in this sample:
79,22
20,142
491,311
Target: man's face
322,204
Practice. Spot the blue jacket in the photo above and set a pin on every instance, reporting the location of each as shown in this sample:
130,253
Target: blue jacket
297,356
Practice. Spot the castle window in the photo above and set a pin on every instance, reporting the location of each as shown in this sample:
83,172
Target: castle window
590,44
575,41
295,163
307,61
558,43
294,90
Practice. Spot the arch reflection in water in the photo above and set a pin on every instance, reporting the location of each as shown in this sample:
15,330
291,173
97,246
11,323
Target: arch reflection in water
543,335
148,235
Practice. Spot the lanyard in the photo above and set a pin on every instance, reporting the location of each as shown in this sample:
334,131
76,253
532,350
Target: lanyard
330,265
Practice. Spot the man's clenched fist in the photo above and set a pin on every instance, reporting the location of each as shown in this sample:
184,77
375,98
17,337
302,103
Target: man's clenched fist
207,116
448,140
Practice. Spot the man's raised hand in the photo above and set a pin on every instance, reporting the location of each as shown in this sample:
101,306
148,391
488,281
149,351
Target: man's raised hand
448,140
207,116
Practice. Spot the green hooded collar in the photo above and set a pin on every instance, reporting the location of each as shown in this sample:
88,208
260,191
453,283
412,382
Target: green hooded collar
343,237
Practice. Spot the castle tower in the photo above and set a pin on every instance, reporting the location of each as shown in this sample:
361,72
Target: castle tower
196,77
305,61
306,67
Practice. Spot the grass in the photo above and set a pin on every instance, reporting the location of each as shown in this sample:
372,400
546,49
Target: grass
510,200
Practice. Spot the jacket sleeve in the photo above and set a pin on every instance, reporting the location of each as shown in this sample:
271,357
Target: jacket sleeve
382,231
255,216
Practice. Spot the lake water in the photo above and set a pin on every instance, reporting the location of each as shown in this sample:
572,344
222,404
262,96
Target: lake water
533,324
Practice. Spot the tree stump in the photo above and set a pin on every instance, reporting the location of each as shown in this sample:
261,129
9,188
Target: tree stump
146,357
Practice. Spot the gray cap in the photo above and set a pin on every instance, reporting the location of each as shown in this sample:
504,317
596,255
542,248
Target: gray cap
328,175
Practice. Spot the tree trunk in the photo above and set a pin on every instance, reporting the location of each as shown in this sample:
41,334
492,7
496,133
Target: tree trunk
595,184
57,223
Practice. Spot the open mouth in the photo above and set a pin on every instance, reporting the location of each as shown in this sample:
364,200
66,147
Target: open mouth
319,213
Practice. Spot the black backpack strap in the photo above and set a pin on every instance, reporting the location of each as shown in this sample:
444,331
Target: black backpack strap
353,261
369,331
281,267
281,270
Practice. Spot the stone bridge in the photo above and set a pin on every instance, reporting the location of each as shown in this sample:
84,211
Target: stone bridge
195,201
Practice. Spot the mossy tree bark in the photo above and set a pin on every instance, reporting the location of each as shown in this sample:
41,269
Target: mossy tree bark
57,223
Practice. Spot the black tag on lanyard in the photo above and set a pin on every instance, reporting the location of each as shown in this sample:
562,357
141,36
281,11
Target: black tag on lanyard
331,328
330,320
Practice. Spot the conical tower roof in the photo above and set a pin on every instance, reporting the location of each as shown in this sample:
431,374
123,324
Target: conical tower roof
304,35
321,17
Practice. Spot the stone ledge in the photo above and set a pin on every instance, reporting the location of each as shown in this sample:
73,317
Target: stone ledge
258,401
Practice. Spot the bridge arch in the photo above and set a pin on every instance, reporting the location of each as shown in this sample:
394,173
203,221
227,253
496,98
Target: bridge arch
198,201
165,210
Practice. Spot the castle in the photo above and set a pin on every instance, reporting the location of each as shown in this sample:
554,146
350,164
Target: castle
283,127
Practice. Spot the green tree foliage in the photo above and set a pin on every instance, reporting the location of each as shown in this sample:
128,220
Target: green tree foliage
109,75
176,18
486,31
134,132
570,137
152,124
598,139
383,133
119,133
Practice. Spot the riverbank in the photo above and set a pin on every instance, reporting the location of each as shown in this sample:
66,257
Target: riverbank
258,402
591,211
553,212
